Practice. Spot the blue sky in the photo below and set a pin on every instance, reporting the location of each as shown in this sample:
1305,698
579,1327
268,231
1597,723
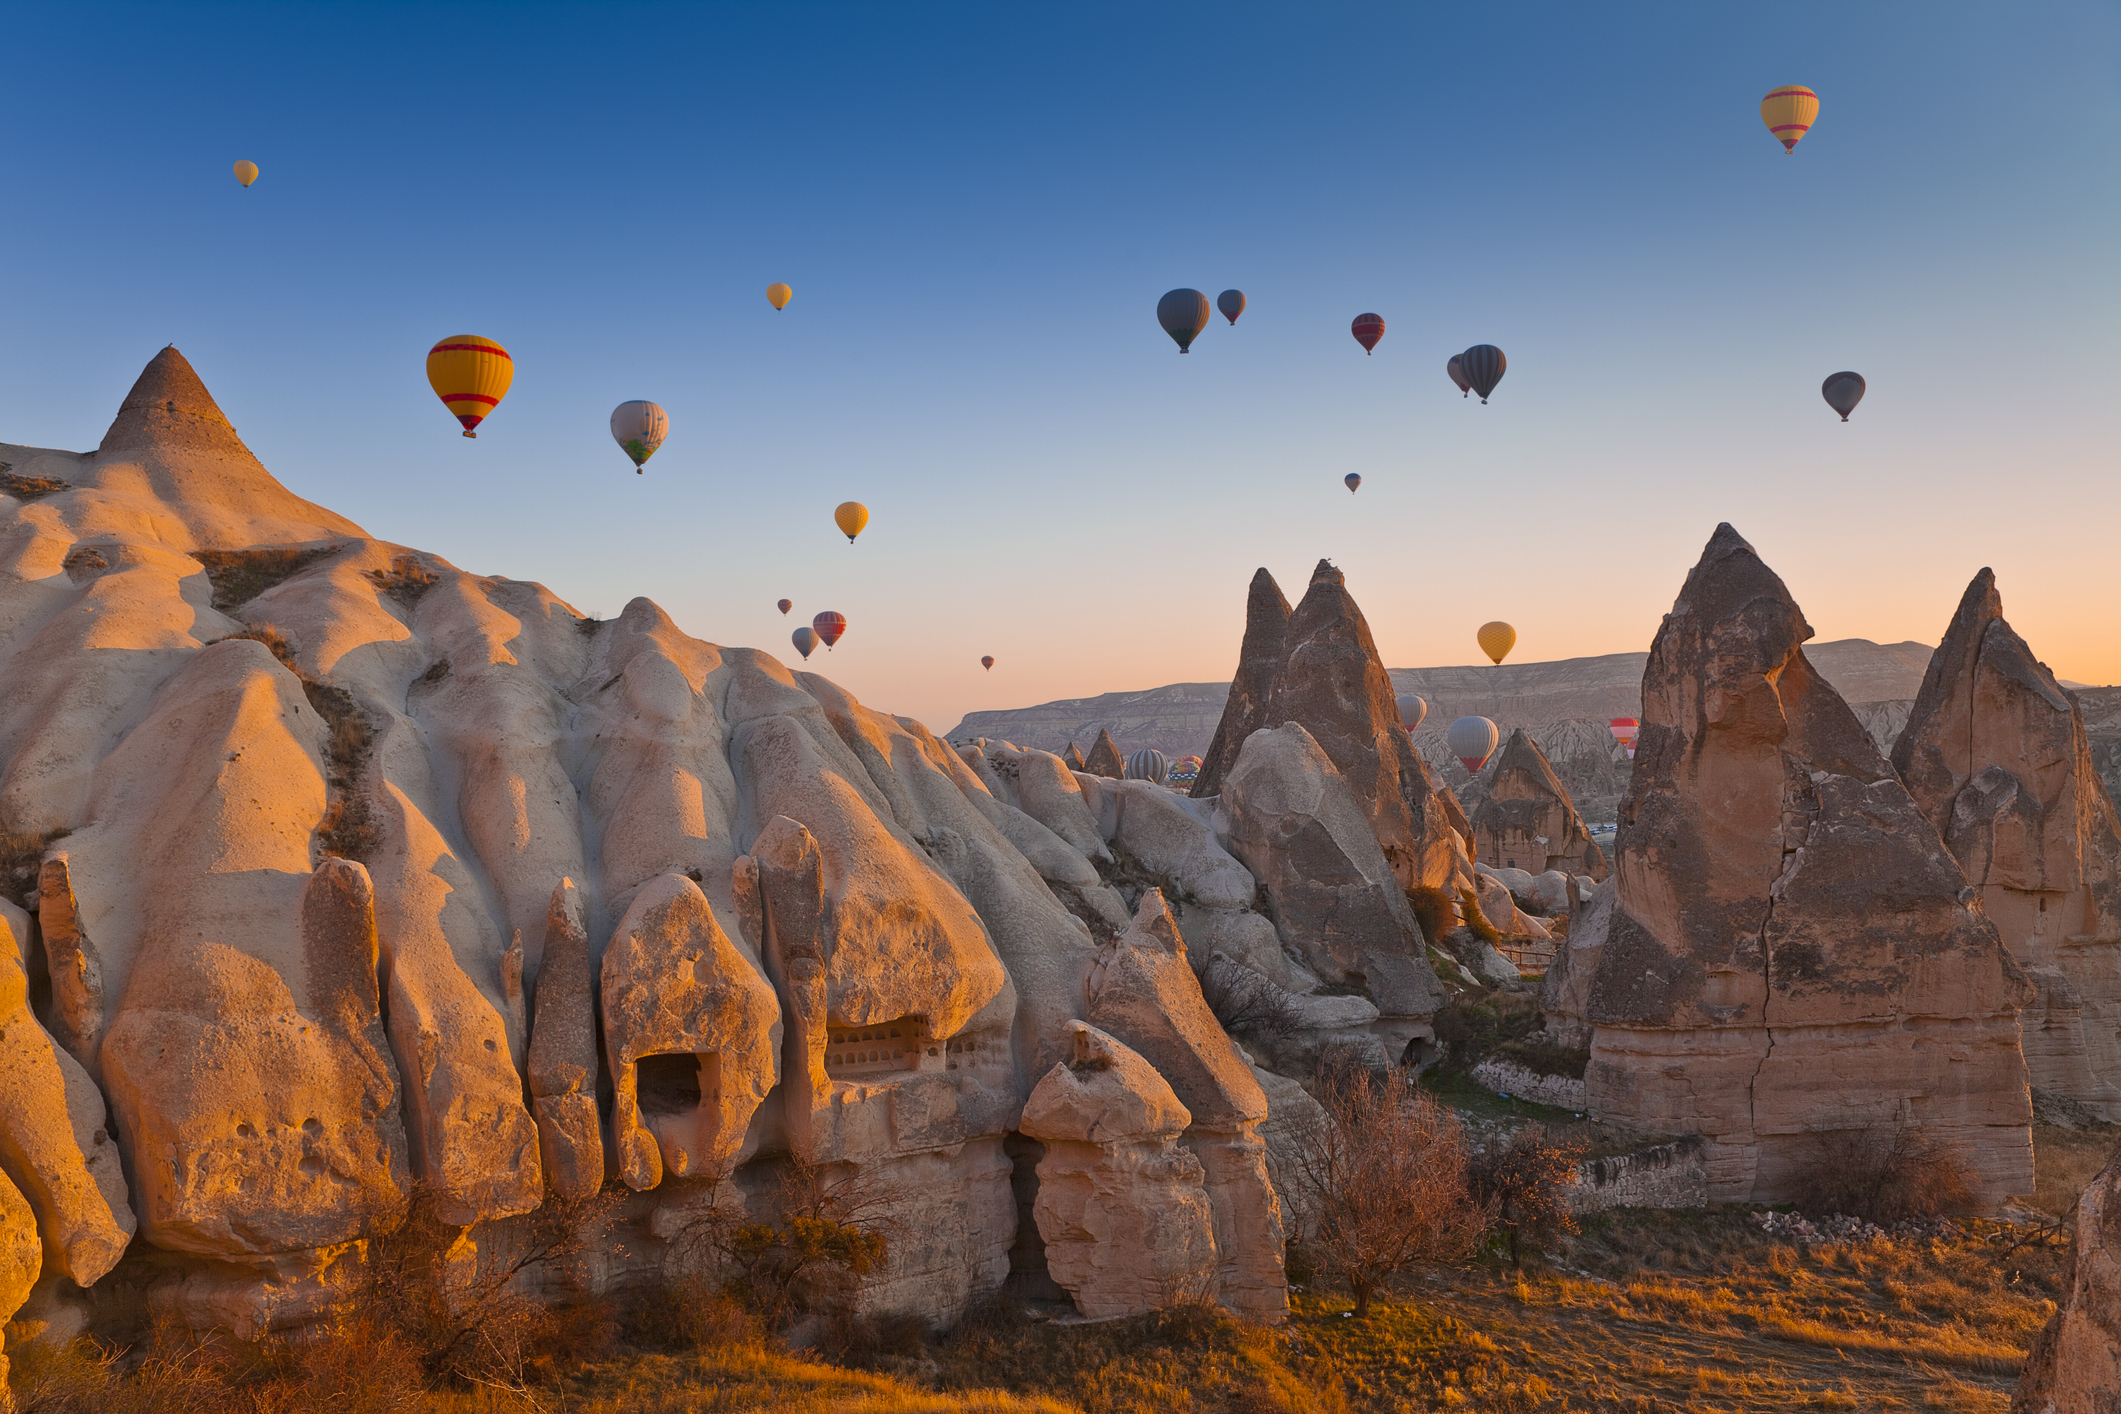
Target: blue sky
978,207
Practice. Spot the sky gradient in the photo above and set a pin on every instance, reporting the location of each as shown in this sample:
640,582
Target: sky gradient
978,207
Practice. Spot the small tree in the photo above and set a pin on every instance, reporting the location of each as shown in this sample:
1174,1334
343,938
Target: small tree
1381,1181
1526,1180
1885,1174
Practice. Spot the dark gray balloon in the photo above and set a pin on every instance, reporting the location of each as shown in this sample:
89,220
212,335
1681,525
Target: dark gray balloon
1183,313
1842,392
1231,303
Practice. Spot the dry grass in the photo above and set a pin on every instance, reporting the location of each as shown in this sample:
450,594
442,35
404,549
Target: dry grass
406,581
28,488
239,576
2069,1159
21,856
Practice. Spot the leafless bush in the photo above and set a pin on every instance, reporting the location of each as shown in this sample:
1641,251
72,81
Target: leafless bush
1381,1181
406,581
1526,1179
1247,1004
1885,1175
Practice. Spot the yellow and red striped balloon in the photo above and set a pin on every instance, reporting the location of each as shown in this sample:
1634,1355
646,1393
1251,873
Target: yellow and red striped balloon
470,375
1789,113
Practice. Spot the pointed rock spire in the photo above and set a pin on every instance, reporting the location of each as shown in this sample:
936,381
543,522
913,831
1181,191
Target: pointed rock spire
1258,666
1527,820
1104,758
169,407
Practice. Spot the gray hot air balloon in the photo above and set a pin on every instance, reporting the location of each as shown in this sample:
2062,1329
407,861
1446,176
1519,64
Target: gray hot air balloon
1183,313
1231,303
1472,740
805,639
1148,765
1412,708
1842,392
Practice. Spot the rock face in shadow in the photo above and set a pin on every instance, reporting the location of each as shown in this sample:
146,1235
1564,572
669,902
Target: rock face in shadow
1121,1206
563,1053
1104,758
1527,821
1790,951
1995,754
2074,1366
1259,660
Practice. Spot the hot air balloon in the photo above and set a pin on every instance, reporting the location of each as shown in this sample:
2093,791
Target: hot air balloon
1183,313
1842,392
829,626
1148,764
850,517
785,605
1624,731
246,172
1184,772
470,375
1472,740
1483,365
1496,640
987,662
1368,329
804,639
1412,708
778,295
1231,303
1457,369
639,427
1789,113
1353,481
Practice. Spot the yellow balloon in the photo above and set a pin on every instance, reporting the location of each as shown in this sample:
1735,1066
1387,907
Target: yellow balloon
1789,113
246,172
1496,640
778,295
470,375
851,517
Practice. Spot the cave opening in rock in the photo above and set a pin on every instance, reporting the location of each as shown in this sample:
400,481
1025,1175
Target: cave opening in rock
668,1084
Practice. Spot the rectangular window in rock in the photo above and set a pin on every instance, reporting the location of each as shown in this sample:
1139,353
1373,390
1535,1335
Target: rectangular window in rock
868,1050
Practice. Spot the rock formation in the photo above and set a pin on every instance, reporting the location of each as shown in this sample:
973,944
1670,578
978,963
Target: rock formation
1259,660
1789,950
1104,758
1121,1206
1995,754
1527,821
2074,1366
1071,758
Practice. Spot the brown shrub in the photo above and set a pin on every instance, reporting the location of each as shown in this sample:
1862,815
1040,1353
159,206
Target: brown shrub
1885,1175
239,576
1469,906
28,488
1433,910
1380,1182
21,858
406,581
1526,1180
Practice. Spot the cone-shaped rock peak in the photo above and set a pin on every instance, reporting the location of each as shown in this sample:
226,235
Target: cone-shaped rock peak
170,407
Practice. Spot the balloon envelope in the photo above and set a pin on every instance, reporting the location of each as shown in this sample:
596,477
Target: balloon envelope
1842,392
987,662
1412,708
1148,764
470,375
1789,113
1183,313
1483,365
1368,329
1353,481
246,172
1231,303
785,605
850,517
1625,730
778,295
830,626
639,427
1496,640
804,639
1472,740
1457,369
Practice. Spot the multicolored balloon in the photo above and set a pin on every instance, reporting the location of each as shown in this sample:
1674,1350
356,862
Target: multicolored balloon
1231,303
1472,740
778,295
1148,764
987,662
1457,369
639,427
804,640
1625,730
1412,708
850,517
1842,392
470,375
1353,481
829,626
246,172
1183,313
785,605
1496,640
1789,113
1184,771
1483,365
1368,329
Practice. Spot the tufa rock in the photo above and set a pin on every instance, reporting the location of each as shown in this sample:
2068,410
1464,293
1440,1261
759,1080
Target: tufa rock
563,1054
2074,1365
1072,759
1104,758
1792,948
1527,821
1259,661
1995,755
